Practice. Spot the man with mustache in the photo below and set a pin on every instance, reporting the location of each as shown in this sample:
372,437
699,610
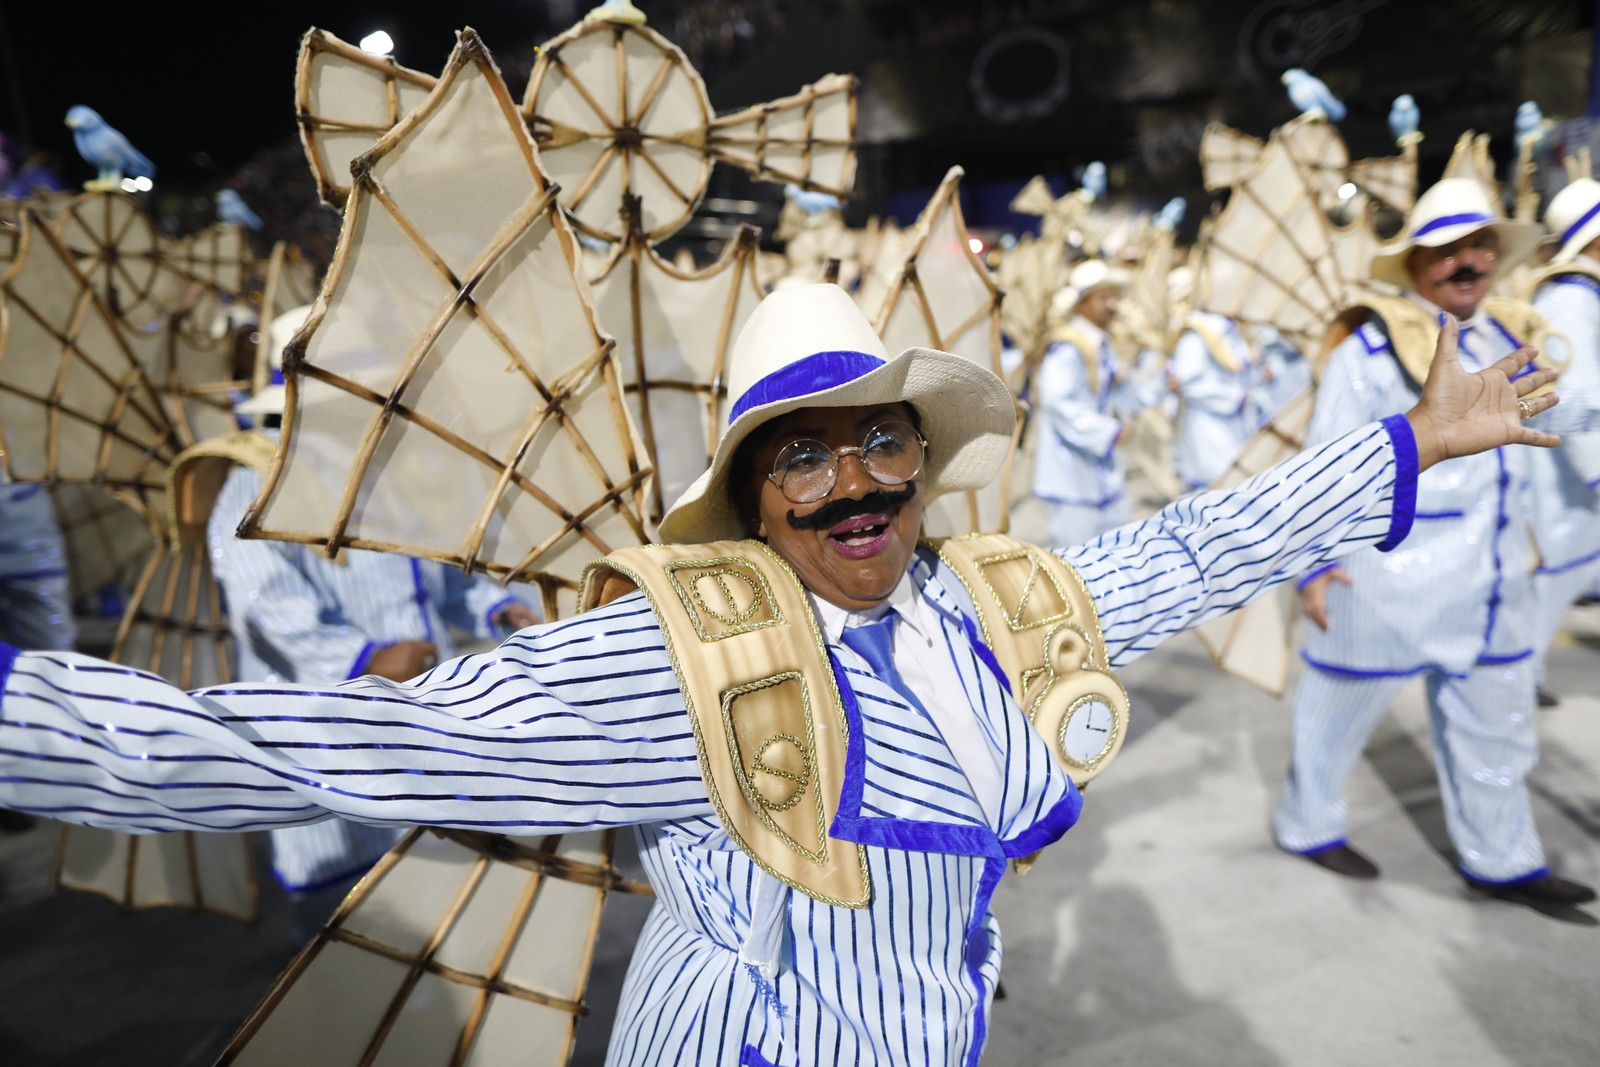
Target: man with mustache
815,723
1454,604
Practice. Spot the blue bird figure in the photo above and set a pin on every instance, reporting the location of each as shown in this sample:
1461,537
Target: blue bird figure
106,148
1310,94
1404,116
232,208
812,203
1170,217
1094,180
1530,120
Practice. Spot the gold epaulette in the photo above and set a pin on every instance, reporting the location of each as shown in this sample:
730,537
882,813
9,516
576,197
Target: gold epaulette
1414,332
1086,348
769,724
1215,343
1037,617
195,478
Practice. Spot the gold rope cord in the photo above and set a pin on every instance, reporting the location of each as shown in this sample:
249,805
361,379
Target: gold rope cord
943,297
1253,642
453,356
344,100
456,948
675,327
1274,256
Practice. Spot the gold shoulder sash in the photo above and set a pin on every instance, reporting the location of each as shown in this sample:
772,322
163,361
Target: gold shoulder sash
1555,270
1413,333
1086,348
1215,343
1038,618
195,478
769,724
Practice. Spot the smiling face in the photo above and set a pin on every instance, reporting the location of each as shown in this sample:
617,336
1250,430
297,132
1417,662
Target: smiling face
855,552
1456,277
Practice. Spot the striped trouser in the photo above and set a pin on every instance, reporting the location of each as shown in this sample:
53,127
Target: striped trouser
1484,743
1554,592
308,858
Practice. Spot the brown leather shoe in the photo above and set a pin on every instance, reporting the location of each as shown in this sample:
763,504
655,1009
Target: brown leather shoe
1342,859
1546,889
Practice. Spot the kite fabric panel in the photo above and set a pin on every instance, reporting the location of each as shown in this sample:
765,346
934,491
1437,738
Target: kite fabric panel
291,282
344,100
674,329
619,111
456,949
1227,156
107,540
1253,642
807,138
943,297
453,356
76,404
202,872
1275,257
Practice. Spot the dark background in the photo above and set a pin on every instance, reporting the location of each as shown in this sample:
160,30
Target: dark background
1007,88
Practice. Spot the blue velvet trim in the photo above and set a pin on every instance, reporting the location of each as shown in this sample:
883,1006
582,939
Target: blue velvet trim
1048,830
1575,279
1502,659
496,608
1112,447
1085,503
978,951
1364,672
1306,578
359,667
1560,568
1501,522
275,376
26,492
813,374
1448,220
8,659
1314,850
750,1057
1440,515
985,653
1518,880
422,601
1405,480
1571,231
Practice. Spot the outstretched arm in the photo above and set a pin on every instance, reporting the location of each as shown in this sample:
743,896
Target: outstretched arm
1207,554
564,727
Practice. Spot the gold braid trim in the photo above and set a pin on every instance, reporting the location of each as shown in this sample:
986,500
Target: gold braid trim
769,723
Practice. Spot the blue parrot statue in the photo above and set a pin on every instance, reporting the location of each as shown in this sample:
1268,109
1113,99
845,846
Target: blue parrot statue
1309,94
1171,214
232,208
105,148
1530,120
1404,116
1094,180
812,203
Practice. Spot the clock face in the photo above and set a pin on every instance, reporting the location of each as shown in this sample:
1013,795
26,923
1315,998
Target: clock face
1088,732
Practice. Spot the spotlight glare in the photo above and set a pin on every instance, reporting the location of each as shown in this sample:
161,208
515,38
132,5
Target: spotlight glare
129,185
143,184
377,43
1347,190
976,245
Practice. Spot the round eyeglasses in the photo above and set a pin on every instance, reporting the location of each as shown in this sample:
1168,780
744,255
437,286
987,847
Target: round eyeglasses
805,470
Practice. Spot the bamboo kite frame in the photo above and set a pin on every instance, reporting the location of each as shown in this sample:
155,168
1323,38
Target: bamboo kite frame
600,360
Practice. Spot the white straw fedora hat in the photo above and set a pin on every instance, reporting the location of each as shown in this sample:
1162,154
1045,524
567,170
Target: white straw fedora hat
270,399
1574,217
1449,211
809,346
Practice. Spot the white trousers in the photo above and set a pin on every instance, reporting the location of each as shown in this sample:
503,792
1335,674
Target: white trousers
1078,524
1484,742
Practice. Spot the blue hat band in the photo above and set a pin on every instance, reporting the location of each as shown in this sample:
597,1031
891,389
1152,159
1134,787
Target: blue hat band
1583,220
1449,220
813,374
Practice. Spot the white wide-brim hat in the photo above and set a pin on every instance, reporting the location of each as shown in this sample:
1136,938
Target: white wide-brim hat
810,346
1451,210
1574,217
270,398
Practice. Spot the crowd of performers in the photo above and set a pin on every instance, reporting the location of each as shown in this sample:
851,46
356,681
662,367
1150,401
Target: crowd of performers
1457,572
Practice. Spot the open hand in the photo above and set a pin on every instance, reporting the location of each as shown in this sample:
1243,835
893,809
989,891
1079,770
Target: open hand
1462,413
1314,595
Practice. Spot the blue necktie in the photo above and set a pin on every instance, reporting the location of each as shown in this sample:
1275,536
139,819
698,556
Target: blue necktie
874,643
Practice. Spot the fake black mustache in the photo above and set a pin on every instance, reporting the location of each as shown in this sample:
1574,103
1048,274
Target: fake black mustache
1466,275
836,511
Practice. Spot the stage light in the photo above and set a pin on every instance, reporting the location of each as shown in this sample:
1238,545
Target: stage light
378,43
976,244
1347,190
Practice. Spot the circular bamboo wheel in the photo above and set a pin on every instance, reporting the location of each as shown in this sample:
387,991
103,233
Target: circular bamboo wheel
116,248
618,110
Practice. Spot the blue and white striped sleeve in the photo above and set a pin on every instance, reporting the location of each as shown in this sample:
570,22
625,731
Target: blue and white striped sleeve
565,727
1207,554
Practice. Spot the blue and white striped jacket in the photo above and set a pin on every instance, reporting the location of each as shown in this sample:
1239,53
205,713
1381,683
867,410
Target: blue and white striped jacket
579,724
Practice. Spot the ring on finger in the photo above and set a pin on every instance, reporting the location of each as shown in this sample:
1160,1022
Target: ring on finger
1525,406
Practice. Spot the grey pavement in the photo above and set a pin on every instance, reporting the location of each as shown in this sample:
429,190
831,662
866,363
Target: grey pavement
1164,928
